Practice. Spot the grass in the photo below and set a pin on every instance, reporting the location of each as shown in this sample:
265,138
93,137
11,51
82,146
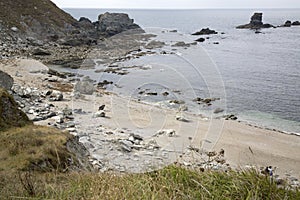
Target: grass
169,183
33,148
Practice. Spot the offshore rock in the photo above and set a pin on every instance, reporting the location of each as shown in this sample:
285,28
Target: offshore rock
255,23
113,23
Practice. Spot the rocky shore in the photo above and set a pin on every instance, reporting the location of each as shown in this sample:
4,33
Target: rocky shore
123,134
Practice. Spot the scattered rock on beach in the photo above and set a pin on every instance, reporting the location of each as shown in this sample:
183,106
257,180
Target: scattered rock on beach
167,132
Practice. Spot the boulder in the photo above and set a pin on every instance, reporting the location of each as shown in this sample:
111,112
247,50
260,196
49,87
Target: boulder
40,52
85,87
205,31
10,115
255,23
200,40
288,23
6,81
296,23
114,23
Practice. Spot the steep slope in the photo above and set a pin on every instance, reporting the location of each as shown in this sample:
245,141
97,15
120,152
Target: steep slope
39,18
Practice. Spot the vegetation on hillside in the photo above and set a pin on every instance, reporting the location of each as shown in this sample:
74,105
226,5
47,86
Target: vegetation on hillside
10,115
22,13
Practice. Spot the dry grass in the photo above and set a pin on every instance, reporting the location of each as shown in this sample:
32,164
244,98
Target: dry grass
33,148
33,159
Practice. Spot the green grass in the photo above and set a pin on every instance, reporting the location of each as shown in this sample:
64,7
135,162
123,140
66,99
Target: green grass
169,183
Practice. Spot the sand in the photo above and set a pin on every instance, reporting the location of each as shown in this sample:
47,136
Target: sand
244,145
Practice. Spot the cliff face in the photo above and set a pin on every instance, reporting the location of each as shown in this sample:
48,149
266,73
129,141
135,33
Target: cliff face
36,18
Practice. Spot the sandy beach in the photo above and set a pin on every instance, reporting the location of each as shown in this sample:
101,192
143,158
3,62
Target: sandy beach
244,145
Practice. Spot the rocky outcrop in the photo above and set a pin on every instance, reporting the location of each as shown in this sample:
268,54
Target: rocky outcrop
255,23
296,23
44,21
205,31
114,23
6,81
10,115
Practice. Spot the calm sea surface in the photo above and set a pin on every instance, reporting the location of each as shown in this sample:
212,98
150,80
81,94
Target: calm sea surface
261,72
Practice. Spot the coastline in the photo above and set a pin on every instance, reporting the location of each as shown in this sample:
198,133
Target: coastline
244,145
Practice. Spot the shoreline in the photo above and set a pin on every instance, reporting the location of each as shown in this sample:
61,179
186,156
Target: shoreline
244,145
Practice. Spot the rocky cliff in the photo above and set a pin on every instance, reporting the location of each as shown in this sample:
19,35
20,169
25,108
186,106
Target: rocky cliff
43,20
36,18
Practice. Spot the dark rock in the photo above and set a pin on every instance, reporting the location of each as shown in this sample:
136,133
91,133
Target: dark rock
288,23
152,93
10,115
296,23
40,52
205,31
114,23
104,83
101,107
6,81
200,40
255,23
165,93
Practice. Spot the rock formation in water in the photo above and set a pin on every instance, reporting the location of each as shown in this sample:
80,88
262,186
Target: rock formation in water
115,23
205,31
255,23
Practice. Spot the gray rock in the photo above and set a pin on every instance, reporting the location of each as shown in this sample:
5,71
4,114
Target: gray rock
126,145
40,52
181,118
168,132
85,87
100,113
218,110
6,81
56,96
114,23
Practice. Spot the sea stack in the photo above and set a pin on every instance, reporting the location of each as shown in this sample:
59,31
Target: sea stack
255,23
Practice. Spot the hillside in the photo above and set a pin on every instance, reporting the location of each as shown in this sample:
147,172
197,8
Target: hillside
36,17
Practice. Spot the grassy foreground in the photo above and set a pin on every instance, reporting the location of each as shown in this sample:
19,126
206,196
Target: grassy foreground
169,183
34,164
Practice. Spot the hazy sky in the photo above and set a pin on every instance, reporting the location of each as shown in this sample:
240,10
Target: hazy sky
177,3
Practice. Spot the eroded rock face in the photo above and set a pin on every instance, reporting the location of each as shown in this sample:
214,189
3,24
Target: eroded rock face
255,23
6,81
114,23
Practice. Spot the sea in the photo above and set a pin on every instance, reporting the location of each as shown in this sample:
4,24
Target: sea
260,73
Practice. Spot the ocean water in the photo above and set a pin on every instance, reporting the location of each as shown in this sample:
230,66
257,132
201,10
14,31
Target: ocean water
260,72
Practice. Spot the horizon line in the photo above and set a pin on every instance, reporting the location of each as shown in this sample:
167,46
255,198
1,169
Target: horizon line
178,8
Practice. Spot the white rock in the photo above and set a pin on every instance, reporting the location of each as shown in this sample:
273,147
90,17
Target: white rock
14,29
168,132
100,113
